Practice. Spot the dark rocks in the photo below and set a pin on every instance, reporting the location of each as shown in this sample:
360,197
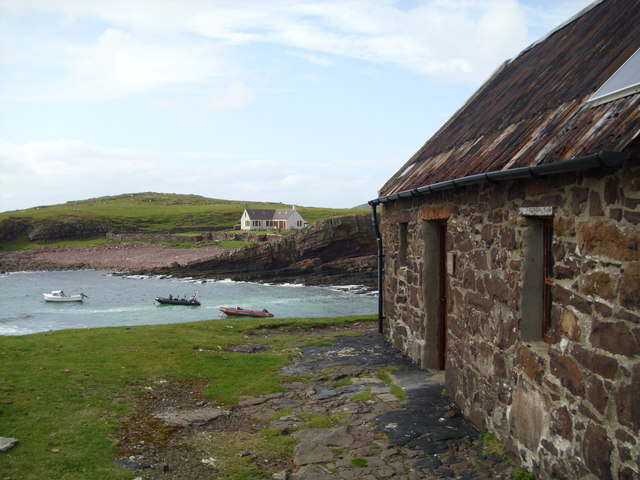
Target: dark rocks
248,348
43,230
345,418
425,436
334,250
132,463
197,416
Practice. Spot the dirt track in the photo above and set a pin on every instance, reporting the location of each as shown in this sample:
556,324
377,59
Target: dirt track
122,257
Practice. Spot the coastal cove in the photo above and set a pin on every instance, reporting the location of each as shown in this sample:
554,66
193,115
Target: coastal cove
129,300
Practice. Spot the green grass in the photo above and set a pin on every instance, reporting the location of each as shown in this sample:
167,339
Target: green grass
284,412
282,233
154,211
362,396
359,462
395,389
342,382
522,474
266,444
235,243
490,443
67,390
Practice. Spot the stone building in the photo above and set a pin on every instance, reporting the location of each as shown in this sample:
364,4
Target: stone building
509,250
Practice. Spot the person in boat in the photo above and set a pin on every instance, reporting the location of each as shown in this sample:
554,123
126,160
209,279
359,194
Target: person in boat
170,297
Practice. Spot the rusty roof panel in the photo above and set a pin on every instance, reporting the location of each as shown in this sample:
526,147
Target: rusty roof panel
533,111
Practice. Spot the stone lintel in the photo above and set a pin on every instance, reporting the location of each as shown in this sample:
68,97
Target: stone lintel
536,211
435,213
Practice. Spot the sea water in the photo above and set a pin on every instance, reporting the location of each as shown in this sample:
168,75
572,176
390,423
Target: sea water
127,300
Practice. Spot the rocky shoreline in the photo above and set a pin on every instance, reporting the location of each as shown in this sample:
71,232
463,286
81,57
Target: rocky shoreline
130,257
337,250
202,262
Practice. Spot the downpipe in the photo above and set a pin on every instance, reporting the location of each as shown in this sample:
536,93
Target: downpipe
374,215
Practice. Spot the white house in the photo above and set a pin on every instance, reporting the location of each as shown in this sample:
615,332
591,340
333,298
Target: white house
259,219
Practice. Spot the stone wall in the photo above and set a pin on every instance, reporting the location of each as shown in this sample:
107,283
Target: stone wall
566,409
215,236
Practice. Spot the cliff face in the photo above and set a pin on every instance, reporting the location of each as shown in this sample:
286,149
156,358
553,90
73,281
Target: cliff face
43,230
337,250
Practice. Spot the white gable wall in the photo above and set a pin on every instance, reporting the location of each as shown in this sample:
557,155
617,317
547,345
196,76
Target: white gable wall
245,221
295,221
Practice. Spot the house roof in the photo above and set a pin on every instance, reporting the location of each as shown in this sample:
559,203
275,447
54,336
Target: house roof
282,214
261,214
533,110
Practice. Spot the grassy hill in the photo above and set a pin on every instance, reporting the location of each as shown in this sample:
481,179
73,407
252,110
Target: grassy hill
139,211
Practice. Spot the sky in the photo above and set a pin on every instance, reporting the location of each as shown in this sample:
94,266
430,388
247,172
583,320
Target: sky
304,102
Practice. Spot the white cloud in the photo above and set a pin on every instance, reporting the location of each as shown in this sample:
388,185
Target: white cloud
119,65
316,59
150,43
235,97
295,181
47,171
183,63
50,172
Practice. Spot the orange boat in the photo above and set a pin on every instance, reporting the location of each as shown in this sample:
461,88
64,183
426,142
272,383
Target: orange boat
241,312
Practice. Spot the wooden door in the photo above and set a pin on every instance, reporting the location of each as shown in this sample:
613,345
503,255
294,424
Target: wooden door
442,295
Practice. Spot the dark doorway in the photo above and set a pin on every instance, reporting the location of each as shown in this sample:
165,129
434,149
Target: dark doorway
442,294
435,293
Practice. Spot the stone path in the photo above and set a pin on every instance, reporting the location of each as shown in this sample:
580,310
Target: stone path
357,408
373,434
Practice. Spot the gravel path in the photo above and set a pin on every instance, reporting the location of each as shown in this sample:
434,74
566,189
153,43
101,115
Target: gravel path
122,256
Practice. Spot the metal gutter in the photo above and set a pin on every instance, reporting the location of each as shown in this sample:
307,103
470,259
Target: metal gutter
600,159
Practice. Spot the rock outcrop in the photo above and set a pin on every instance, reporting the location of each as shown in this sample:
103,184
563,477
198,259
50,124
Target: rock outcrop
43,230
336,250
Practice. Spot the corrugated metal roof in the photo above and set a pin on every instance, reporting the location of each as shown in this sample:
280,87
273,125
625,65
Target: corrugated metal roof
532,111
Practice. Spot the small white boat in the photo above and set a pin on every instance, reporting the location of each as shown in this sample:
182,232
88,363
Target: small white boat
60,296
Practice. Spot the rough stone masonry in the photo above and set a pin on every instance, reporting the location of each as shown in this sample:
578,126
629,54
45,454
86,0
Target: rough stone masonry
568,407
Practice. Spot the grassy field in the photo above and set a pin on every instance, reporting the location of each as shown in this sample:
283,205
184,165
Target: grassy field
64,393
153,211
147,212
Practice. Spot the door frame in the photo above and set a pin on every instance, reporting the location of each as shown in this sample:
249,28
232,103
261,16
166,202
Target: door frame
435,291
442,294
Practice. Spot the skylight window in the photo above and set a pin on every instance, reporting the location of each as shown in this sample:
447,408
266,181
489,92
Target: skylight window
625,81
